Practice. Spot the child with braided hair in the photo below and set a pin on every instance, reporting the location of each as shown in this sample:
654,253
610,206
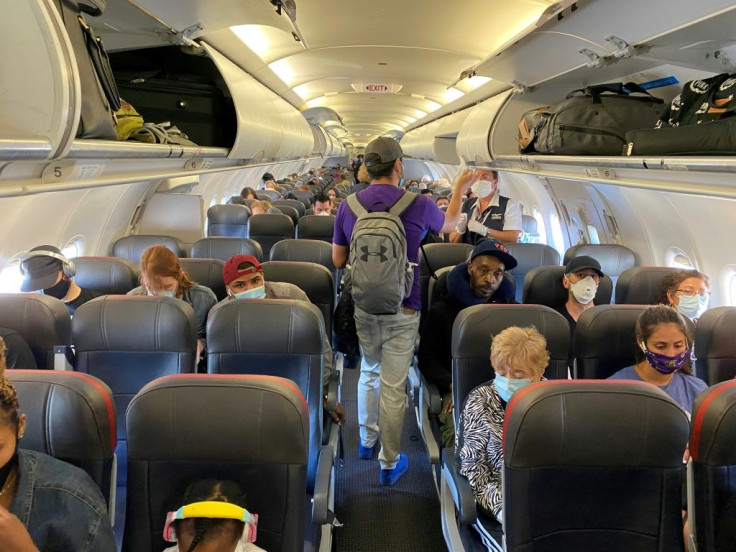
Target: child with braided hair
45,504
213,519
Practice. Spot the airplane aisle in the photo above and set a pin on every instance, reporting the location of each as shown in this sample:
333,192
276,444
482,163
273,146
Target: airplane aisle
404,517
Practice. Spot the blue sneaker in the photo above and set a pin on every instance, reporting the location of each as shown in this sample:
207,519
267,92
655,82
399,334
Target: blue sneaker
366,453
390,477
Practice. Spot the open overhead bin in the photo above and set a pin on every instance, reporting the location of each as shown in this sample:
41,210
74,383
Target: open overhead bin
476,133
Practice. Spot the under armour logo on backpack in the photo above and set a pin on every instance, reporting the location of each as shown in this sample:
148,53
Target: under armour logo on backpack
381,253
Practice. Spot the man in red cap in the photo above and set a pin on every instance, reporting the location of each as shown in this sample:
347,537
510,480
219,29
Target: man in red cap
243,276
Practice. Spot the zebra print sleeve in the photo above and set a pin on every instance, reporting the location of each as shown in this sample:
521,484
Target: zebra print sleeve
481,455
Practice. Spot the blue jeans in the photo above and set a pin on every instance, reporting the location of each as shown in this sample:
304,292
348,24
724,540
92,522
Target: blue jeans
387,345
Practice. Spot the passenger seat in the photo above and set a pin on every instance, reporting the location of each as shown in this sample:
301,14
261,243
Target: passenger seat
207,272
543,286
223,248
270,229
640,285
132,247
715,345
108,275
529,256
227,220
315,227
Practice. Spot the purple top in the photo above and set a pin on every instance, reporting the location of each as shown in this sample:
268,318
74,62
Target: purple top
422,215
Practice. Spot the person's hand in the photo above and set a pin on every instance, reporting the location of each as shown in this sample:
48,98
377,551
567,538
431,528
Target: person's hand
462,223
14,536
464,181
338,415
478,228
686,456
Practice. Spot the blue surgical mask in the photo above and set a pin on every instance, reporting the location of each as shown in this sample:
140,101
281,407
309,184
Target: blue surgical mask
506,387
253,293
401,182
692,307
162,293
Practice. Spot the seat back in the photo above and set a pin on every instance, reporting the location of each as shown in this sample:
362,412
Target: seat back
223,248
295,203
132,247
227,220
308,251
257,436
207,272
313,279
434,256
593,466
304,196
640,285
269,229
715,346
714,459
316,227
108,275
42,321
69,416
529,256
614,258
604,340
543,286
273,337
267,195
290,212
472,335
127,341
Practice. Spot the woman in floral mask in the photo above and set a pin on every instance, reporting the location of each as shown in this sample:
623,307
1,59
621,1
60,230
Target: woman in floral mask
688,291
662,353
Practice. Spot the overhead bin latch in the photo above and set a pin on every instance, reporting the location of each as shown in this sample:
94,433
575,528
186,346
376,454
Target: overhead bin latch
184,37
624,49
521,88
595,59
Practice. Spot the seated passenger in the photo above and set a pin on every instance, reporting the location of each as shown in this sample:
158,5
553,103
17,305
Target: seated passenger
45,504
581,279
18,354
688,291
243,277
263,208
478,281
248,193
44,268
265,178
442,201
490,215
270,185
161,274
213,518
519,357
323,204
662,352
332,193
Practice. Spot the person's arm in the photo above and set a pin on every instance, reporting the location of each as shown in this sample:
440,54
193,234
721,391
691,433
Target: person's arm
103,539
14,536
462,183
339,255
482,470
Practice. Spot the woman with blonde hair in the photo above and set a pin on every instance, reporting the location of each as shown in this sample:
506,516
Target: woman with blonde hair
519,357
162,275
45,504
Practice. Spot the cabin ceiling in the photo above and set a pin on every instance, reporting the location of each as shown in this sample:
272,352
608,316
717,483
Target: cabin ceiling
416,48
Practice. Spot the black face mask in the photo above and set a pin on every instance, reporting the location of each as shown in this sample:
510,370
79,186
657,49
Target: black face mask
58,290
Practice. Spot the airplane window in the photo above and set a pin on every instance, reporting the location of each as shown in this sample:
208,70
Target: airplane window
541,228
677,258
74,247
732,288
11,278
593,235
558,241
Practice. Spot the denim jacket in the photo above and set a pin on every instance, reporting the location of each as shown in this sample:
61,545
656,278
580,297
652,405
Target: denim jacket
61,506
200,297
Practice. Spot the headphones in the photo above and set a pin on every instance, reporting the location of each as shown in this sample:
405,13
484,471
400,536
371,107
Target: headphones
213,510
66,265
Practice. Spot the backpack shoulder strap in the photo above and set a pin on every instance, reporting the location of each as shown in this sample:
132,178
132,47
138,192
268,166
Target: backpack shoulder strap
355,205
403,203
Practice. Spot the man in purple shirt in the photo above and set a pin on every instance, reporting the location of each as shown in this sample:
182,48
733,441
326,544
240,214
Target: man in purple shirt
387,341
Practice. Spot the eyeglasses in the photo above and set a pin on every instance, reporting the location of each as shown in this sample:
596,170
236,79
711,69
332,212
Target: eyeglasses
693,292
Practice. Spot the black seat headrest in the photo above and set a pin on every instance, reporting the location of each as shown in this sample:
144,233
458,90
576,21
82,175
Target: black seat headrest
108,275
207,272
613,258
222,248
227,220
641,285
714,426
316,227
303,250
132,247
715,346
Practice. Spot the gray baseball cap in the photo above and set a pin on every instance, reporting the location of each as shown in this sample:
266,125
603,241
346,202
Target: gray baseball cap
382,150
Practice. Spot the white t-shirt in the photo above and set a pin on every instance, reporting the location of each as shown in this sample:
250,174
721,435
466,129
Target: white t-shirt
511,218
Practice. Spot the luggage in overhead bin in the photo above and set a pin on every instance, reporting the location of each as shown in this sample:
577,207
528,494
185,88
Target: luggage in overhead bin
168,85
591,121
100,98
701,120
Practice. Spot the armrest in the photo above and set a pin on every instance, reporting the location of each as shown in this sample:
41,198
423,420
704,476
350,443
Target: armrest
462,492
431,397
322,483
331,392
63,357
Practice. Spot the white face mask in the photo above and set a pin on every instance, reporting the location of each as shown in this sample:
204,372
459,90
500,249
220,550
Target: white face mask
482,188
583,290
692,307
161,293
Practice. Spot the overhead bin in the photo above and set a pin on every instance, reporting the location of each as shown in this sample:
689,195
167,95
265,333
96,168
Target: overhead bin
320,139
444,144
475,135
419,142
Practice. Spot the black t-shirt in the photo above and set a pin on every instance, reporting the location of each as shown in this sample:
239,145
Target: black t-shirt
570,320
86,295
19,354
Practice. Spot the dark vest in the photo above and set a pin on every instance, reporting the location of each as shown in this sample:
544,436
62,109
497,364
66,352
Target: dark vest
493,217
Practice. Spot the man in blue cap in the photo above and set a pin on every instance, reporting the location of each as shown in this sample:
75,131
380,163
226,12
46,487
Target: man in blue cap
478,281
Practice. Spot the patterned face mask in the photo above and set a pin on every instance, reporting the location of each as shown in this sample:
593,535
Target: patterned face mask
666,364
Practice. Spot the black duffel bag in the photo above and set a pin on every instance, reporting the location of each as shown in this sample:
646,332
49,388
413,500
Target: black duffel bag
591,121
701,120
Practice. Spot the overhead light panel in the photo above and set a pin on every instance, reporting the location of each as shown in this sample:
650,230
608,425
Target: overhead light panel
254,38
452,94
283,70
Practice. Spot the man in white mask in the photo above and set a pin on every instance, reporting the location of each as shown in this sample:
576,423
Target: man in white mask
489,214
581,279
